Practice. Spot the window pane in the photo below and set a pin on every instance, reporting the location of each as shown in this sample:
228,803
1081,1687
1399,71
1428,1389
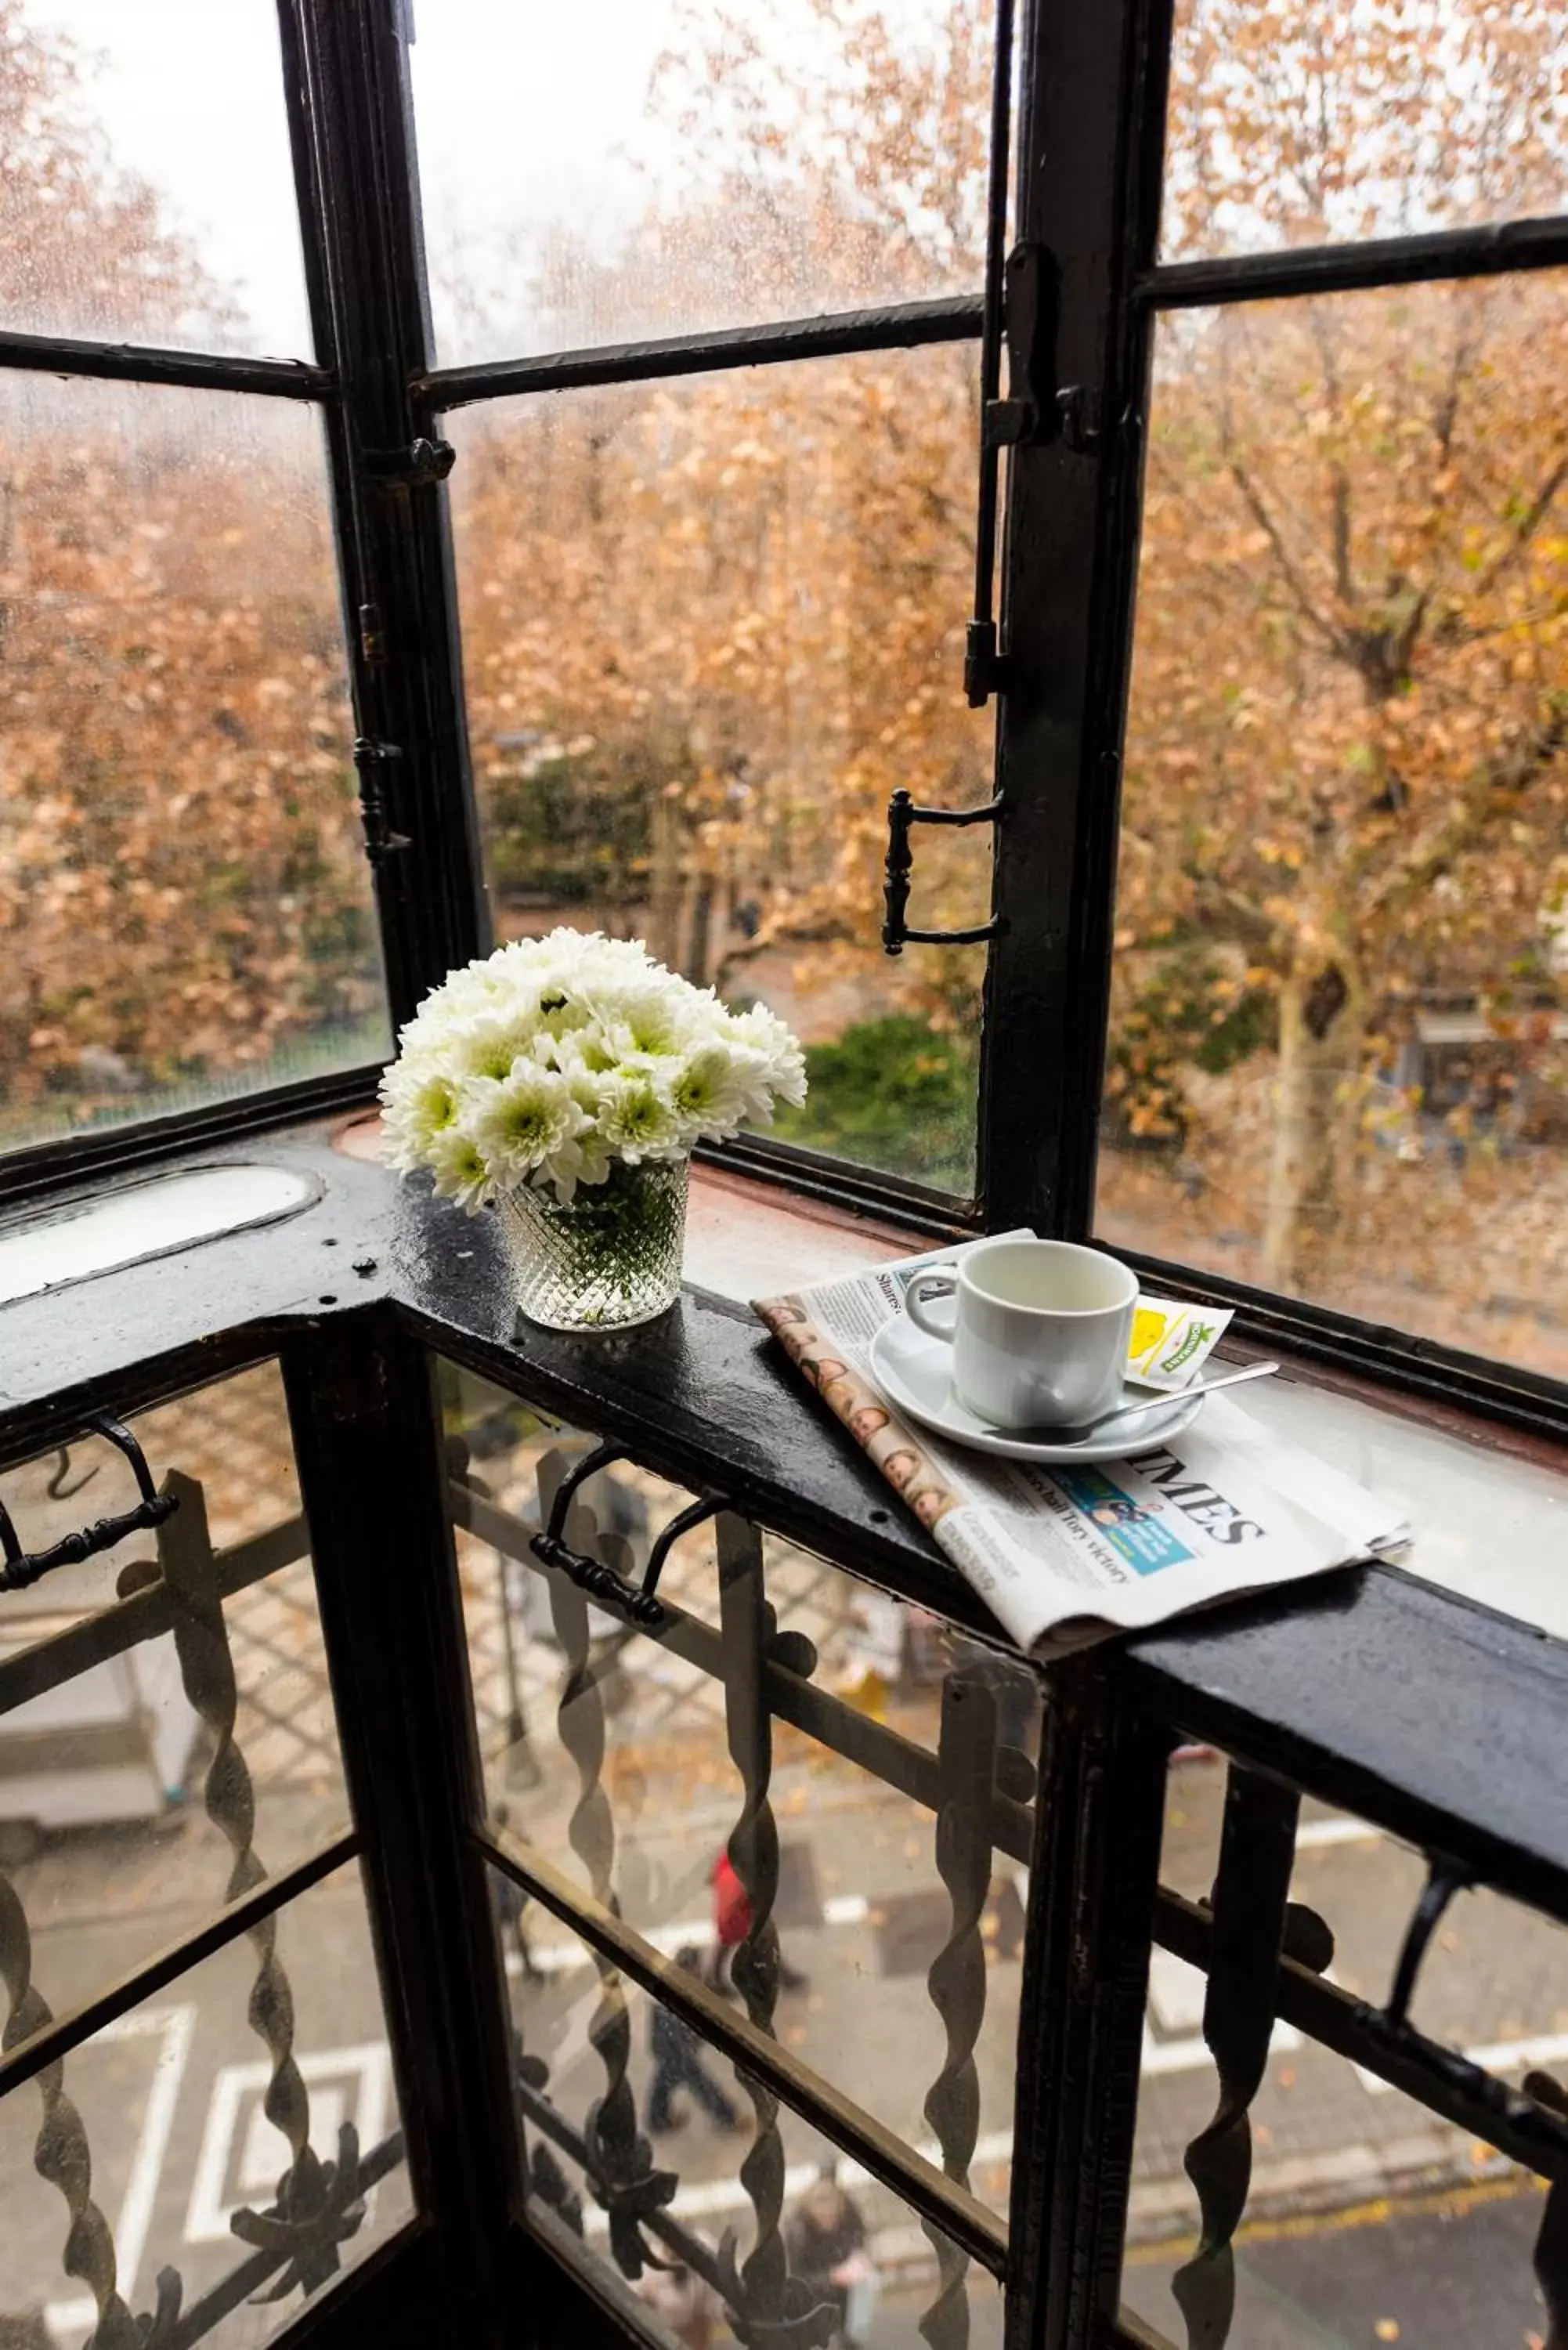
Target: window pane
1368,2217
119,1798
162,2124
709,626
147,190
1339,1057
185,900
1367,117
654,167
862,1908
699,2122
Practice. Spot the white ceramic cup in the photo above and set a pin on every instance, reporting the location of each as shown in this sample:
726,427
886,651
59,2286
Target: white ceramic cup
1039,1329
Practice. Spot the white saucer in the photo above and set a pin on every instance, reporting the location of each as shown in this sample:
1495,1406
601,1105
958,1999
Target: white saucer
915,1373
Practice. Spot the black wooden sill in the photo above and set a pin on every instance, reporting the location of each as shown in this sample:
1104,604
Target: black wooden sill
1387,1696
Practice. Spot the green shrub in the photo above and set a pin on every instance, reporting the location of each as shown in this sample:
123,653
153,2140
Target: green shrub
894,1095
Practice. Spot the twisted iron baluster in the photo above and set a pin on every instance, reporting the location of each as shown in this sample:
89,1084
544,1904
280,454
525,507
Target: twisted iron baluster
316,2202
61,2154
1552,2240
627,2183
966,1760
545,2179
769,2303
1257,1853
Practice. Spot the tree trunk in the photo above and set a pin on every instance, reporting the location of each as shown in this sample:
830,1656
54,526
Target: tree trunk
1322,1035
666,878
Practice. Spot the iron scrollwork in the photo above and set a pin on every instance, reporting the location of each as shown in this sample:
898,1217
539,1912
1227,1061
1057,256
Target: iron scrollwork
772,2308
1250,1908
627,2184
967,1758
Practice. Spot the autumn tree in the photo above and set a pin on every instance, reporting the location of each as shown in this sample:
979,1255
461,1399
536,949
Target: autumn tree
1349,785
182,886
84,249
741,598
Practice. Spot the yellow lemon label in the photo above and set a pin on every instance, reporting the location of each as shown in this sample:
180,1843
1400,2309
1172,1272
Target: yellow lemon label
1149,1328
1171,1342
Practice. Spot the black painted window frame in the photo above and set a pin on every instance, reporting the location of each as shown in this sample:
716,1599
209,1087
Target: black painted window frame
1088,148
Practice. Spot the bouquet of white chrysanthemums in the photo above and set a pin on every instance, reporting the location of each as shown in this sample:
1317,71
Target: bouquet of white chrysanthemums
556,1059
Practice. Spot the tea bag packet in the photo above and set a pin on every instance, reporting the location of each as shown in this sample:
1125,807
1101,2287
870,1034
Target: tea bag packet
1171,1342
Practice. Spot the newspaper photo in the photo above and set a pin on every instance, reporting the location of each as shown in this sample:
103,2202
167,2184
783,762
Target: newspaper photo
1064,1556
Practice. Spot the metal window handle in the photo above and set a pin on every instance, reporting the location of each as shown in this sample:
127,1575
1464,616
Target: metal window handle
20,1568
902,817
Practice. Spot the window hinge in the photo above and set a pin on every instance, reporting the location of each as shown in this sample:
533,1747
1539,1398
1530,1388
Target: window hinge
985,668
372,635
1078,420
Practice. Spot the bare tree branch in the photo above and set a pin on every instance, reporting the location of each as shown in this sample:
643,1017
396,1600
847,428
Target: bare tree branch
1491,793
1529,523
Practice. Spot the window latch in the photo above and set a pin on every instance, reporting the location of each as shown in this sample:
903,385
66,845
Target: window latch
372,759
1029,411
1035,413
902,817
426,460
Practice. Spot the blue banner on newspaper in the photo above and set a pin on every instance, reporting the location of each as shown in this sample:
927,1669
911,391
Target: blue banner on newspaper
1141,1536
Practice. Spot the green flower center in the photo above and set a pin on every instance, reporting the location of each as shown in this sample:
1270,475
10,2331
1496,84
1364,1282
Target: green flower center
525,1122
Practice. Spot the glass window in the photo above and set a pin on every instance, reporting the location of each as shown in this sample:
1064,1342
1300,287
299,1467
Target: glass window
846,2236
709,626
863,1911
655,167
118,1831
184,891
1320,2255
1364,119
185,2114
1339,1050
147,190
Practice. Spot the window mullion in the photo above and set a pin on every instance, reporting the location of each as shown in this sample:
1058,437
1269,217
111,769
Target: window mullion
347,76
1091,121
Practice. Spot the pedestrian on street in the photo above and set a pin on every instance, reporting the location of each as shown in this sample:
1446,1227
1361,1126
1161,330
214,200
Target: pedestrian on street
825,2237
677,2065
731,1924
686,2301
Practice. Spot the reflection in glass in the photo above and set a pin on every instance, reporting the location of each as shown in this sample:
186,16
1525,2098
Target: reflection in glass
117,1833
709,626
148,192
1361,119
608,1752
166,2120
182,886
702,2117
654,167
1339,1049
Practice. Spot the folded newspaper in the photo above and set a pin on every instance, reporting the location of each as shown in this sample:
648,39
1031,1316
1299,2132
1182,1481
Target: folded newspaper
1067,1556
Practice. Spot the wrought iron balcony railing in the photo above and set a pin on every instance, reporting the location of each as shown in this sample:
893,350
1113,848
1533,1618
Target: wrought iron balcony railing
492,1617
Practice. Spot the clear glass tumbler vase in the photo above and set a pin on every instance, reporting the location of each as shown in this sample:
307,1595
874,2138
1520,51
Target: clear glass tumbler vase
610,1260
